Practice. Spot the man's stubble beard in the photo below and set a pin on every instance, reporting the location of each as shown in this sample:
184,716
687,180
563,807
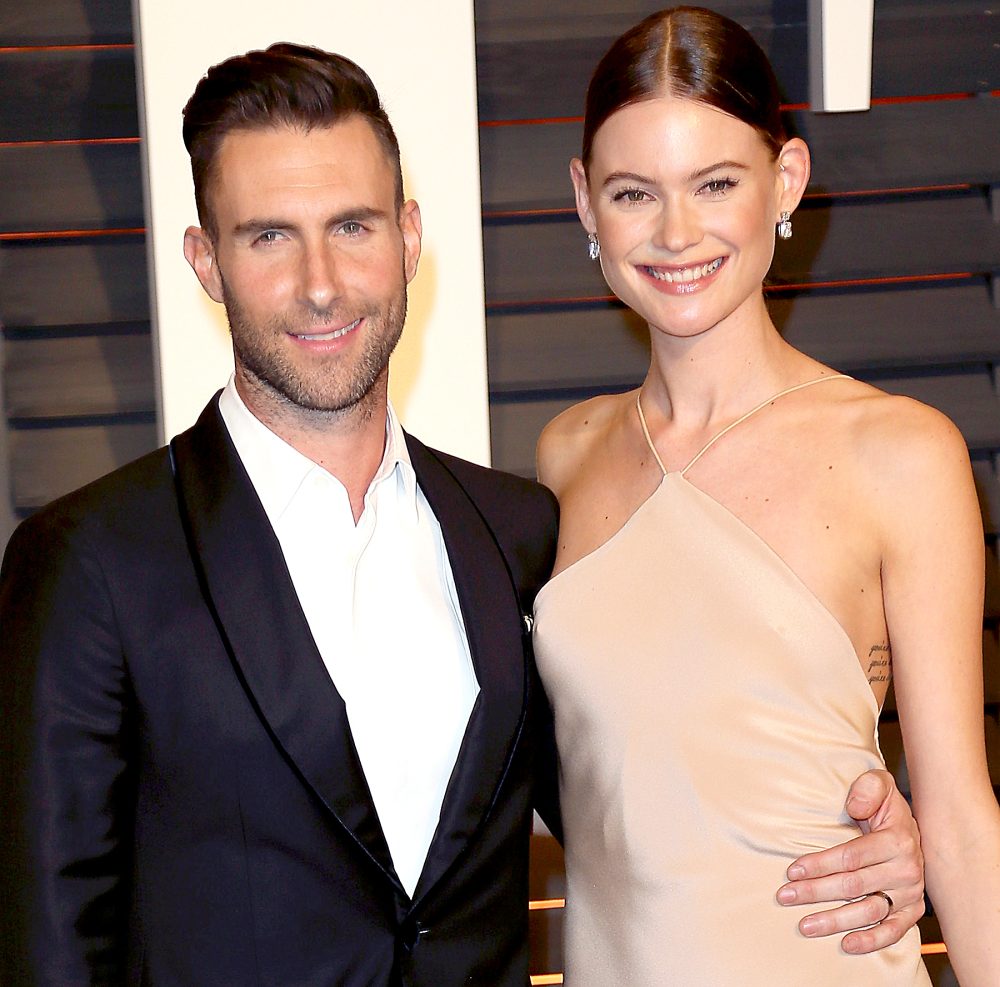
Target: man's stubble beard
339,386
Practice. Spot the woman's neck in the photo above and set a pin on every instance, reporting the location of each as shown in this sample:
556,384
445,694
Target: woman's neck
695,381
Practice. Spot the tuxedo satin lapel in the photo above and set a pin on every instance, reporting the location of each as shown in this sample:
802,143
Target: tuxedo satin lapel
247,585
494,628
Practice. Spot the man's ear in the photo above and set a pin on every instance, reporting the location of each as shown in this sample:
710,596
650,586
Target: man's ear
199,251
411,227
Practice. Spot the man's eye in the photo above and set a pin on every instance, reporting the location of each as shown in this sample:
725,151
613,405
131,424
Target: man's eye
269,236
352,228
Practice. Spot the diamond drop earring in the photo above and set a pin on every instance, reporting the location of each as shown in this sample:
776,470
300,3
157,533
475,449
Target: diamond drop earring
593,246
785,225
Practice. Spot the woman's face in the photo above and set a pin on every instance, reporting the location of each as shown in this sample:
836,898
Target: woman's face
684,199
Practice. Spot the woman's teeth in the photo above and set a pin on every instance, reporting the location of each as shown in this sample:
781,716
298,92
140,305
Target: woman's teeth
686,273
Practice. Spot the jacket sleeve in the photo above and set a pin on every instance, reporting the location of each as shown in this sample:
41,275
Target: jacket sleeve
66,765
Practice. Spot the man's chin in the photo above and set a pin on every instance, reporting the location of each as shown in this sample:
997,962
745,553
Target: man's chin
316,403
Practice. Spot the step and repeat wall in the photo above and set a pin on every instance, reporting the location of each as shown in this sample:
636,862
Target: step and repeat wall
893,274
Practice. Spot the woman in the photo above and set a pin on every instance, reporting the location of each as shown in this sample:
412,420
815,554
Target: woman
747,543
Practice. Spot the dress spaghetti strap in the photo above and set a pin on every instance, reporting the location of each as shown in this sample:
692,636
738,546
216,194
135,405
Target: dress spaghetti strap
739,421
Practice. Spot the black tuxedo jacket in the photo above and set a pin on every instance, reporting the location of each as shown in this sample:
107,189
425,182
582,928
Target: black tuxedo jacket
181,798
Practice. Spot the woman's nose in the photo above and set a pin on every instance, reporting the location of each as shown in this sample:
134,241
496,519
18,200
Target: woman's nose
679,227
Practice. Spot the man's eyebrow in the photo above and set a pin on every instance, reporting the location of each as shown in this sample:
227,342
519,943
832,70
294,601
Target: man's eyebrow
361,214
254,226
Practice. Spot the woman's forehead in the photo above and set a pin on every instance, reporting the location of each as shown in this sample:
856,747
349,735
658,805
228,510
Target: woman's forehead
672,130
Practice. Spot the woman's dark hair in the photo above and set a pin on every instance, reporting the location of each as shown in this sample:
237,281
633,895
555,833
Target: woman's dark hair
286,84
692,53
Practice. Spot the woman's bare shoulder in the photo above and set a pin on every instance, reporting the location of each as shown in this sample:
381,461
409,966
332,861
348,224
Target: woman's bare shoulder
567,442
908,454
892,431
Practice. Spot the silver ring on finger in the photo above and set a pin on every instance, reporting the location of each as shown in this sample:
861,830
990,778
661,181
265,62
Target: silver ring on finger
889,902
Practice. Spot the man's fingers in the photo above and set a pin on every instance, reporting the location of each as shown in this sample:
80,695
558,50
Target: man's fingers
862,851
847,887
852,915
868,793
885,933
899,850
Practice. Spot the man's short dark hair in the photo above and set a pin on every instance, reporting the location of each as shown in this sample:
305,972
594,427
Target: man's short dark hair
284,85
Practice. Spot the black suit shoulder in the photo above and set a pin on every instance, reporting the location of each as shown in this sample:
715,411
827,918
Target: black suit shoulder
136,494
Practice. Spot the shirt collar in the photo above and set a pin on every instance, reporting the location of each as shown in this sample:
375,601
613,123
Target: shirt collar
277,470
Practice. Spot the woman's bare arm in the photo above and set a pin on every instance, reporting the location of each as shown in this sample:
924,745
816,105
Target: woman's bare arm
933,572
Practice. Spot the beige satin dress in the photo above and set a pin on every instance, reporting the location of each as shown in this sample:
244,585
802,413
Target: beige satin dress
711,715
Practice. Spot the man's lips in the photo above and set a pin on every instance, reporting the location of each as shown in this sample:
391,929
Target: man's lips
322,337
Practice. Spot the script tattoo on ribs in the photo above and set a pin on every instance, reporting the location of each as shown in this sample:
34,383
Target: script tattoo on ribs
879,663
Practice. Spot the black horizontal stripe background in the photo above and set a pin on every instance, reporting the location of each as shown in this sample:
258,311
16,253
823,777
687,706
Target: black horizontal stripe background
892,274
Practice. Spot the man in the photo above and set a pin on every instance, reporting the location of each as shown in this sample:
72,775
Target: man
269,707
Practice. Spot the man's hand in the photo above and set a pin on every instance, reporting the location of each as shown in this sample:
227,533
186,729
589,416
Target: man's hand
886,858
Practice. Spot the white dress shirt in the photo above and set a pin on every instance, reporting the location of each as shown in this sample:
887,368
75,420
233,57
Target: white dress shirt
380,600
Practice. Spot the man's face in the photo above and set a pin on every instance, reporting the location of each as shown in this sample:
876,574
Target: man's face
311,260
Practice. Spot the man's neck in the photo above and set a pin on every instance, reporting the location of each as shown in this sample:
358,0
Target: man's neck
349,444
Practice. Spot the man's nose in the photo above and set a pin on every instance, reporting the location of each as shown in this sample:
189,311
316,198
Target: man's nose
321,276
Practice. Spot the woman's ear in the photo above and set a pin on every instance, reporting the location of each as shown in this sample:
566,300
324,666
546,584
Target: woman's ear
793,173
579,176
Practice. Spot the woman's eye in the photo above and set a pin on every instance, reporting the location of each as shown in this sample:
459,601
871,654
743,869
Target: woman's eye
630,195
719,186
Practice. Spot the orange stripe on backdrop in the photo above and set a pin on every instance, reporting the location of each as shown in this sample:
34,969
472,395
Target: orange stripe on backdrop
544,904
75,142
863,282
902,190
71,234
529,121
528,213
28,49
930,98
785,107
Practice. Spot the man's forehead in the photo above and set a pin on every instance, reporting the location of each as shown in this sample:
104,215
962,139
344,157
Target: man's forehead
347,153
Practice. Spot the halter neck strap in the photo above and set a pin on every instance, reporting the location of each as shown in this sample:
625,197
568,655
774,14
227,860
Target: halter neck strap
739,421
